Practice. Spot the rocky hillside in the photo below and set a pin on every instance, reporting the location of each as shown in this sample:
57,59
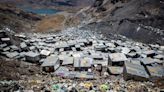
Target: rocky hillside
141,20
15,18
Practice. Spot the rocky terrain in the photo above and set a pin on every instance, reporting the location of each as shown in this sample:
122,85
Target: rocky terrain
138,20
107,46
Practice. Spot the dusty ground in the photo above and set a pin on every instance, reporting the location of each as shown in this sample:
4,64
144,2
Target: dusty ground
20,74
51,23
13,70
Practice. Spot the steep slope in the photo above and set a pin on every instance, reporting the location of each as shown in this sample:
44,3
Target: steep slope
141,20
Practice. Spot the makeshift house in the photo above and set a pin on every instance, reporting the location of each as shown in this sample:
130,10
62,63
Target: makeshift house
117,59
67,60
23,45
83,64
45,53
149,61
100,47
134,72
62,71
63,45
51,63
149,53
32,57
6,40
156,73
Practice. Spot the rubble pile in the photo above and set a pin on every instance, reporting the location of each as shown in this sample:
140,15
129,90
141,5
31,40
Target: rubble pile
79,54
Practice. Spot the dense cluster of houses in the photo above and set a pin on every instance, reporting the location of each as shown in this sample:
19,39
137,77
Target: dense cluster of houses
87,58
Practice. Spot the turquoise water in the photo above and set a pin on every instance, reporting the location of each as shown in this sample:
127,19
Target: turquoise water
41,11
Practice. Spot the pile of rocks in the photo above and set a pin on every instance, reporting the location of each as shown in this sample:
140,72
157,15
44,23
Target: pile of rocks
75,55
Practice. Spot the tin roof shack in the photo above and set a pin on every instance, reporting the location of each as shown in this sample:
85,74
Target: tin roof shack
97,56
156,73
135,72
99,59
150,61
50,64
117,59
23,46
63,45
12,54
82,64
125,50
67,60
6,40
100,47
150,53
132,55
45,53
62,71
115,70
32,57
160,57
